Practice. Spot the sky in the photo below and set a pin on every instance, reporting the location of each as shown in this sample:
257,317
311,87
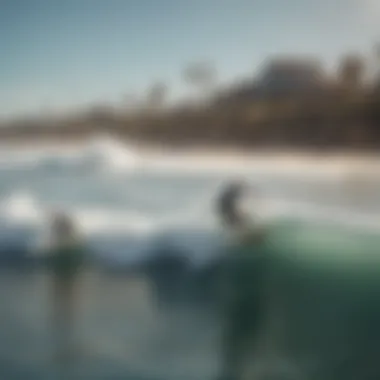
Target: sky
57,55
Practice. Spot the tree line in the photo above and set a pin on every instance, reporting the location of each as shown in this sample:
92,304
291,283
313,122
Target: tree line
336,118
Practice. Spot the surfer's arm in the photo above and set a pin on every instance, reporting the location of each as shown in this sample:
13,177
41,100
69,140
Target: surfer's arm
259,229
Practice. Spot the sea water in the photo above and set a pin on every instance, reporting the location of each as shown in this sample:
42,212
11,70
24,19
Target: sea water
324,215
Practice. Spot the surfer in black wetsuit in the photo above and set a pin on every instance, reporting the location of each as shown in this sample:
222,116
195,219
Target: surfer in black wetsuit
66,256
242,281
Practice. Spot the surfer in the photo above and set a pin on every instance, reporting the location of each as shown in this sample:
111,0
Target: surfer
66,254
243,276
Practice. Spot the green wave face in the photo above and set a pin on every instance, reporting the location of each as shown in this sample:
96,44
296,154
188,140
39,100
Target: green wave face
323,298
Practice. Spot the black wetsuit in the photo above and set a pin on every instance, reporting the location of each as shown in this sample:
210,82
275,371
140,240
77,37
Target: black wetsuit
66,261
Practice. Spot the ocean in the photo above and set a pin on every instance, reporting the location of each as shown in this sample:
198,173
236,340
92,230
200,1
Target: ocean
128,202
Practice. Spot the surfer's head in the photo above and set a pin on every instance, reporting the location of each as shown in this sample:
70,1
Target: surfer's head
61,223
229,204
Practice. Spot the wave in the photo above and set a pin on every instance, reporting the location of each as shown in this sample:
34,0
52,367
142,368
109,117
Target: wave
124,235
118,236
99,153
106,153
20,207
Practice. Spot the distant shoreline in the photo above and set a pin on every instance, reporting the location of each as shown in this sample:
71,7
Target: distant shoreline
197,147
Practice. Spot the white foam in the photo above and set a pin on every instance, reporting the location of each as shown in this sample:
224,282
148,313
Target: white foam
121,236
107,153
118,228
20,206
103,152
99,153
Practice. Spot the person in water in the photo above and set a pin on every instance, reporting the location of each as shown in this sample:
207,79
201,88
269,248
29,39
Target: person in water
243,280
66,257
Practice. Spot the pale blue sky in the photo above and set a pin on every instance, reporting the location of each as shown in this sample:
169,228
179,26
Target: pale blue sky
61,54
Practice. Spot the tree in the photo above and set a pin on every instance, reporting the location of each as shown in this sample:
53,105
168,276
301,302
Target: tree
351,71
201,75
377,63
156,96
130,101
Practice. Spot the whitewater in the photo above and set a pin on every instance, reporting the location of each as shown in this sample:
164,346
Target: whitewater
126,198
